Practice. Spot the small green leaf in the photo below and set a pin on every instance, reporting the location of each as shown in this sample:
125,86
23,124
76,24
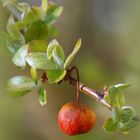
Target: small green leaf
37,30
121,99
42,96
110,125
4,41
23,7
28,17
31,15
127,113
53,32
115,114
55,52
128,126
44,5
40,61
122,86
113,96
117,98
14,45
127,119
38,46
38,13
72,55
34,74
53,12
54,76
13,30
19,57
57,58
52,45
7,2
20,85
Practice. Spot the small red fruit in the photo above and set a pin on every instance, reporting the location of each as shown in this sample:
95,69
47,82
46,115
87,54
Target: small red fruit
76,119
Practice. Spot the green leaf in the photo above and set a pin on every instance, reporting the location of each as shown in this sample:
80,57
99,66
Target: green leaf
127,119
38,13
20,85
113,96
23,7
57,57
55,52
52,45
38,46
115,114
117,98
72,55
127,113
4,41
121,99
122,86
28,17
40,61
34,74
44,5
7,2
19,24
19,57
42,96
53,12
110,125
54,76
13,30
128,126
31,14
14,45
37,30
53,32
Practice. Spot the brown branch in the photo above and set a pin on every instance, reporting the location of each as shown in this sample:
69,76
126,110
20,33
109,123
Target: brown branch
98,96
90,92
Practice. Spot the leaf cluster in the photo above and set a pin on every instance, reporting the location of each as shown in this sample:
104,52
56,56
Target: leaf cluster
123,117
27,40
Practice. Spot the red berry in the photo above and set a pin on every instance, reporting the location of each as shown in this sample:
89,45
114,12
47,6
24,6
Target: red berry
76,119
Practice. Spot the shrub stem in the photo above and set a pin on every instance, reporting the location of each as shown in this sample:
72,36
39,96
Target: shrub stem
90,92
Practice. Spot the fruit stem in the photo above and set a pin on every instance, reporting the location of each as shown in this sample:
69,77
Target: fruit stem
78,93
77,81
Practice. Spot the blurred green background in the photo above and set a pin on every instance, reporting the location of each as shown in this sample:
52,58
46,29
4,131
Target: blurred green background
110,53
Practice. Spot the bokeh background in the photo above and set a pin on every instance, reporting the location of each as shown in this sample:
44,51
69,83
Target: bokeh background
110,53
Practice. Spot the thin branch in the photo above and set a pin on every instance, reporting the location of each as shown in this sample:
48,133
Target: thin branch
83,88
90,92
